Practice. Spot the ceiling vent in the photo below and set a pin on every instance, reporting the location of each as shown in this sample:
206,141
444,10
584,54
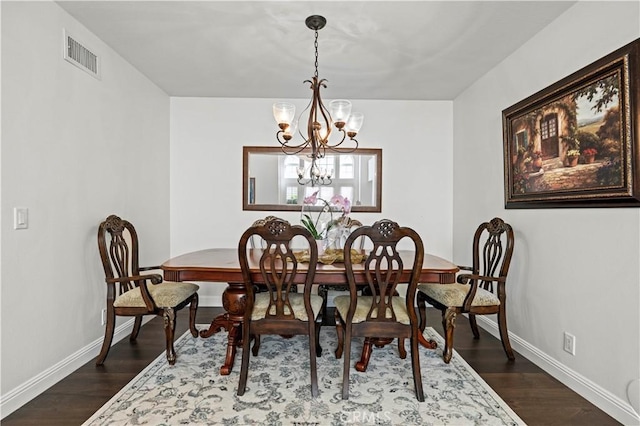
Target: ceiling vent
79,55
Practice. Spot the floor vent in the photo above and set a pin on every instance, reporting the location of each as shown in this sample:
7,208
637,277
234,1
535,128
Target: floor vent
81,56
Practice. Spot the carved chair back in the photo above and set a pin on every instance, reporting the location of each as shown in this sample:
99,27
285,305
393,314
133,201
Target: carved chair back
492,250
118,246
255,241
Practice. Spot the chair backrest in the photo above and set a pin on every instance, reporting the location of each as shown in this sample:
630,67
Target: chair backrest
385,269
255,241
277,266
492,250
118,246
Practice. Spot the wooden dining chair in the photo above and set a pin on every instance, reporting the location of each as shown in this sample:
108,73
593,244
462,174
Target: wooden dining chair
382,314
133,291
279,310
480,292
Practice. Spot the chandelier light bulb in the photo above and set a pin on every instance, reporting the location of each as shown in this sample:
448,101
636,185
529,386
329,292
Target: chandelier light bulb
340,111
284,112
354,124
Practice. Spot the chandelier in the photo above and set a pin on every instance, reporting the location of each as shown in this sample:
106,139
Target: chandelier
319,123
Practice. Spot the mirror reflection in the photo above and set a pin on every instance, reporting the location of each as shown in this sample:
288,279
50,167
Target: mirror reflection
271,178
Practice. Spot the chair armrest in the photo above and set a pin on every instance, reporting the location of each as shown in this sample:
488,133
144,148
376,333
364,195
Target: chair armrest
465,278
465,268
154,278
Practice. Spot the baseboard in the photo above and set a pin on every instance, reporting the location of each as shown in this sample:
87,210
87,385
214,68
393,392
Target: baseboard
210,301
33,387
617,408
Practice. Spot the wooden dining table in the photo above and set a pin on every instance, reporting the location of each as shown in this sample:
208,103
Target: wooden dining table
221,265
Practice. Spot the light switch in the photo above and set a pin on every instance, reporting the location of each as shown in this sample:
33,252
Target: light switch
20,218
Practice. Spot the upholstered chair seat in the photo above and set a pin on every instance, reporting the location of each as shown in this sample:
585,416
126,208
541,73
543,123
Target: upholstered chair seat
454,294
165,295
364,304
262,301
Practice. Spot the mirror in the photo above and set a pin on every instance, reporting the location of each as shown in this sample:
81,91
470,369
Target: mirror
270,178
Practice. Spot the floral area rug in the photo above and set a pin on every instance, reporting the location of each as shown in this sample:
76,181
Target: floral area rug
192,392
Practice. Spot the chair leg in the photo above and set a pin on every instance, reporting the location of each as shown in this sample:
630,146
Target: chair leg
415,366
401,349
244,366
317,337
340,334
136,328
422,311
108,336
312,358
504,334
169,316
474,326
256,344
448,323
193,309
347,361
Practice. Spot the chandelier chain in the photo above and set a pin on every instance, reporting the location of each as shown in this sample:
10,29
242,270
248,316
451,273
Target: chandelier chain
315,44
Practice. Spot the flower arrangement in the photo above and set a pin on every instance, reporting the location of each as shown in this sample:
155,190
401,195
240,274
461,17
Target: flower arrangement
573,153
590,152
320,226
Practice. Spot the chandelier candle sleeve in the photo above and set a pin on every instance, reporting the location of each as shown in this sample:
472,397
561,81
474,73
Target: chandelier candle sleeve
320,120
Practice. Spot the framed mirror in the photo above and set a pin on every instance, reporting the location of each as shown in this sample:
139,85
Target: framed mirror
270,178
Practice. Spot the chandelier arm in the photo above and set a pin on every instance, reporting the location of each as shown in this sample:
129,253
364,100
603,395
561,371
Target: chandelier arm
325,112
288,148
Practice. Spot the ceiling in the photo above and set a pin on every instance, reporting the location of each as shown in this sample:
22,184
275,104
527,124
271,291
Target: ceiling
413,50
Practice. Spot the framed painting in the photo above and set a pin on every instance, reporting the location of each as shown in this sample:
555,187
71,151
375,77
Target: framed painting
576,143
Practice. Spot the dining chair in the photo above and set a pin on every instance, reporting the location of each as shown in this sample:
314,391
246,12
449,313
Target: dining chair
133,291
278,310
382,314
480,292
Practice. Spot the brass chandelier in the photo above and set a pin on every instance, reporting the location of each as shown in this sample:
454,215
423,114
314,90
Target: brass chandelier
319,123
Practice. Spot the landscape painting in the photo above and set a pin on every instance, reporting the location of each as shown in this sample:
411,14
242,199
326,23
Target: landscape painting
575,144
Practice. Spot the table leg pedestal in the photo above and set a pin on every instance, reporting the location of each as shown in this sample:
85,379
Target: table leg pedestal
233,301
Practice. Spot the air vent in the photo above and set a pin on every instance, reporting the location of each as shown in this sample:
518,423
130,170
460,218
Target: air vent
79,55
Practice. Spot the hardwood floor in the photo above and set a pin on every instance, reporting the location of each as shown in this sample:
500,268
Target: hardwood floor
535,396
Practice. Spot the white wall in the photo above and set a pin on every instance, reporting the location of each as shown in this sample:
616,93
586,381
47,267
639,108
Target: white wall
74,150
574,270
207,136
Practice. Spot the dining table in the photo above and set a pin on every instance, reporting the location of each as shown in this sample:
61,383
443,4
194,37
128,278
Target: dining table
222,266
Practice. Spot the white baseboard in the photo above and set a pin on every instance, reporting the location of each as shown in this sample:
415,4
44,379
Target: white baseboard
33,387
617,408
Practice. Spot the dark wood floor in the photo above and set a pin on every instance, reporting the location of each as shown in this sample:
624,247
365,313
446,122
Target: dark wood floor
535,396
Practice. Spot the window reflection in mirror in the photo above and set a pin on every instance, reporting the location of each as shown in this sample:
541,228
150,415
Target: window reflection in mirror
270,178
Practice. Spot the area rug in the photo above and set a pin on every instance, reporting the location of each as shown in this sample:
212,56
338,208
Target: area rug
192,392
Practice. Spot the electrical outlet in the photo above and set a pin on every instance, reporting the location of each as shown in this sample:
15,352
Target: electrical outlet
104,317
570,343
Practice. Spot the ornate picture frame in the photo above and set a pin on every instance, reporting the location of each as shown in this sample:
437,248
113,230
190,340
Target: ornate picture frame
576,143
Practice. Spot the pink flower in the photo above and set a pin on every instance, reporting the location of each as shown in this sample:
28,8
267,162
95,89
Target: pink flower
342,202
311,199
